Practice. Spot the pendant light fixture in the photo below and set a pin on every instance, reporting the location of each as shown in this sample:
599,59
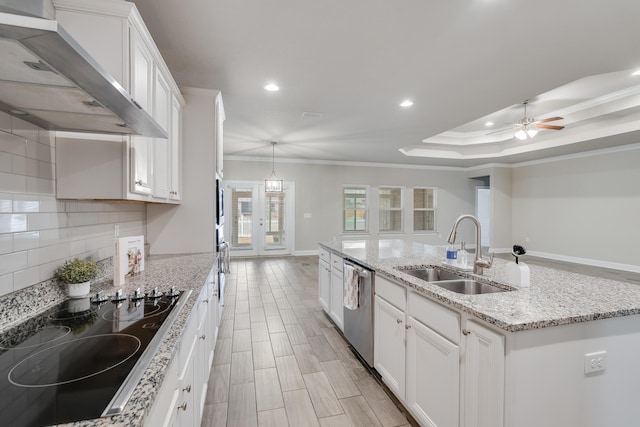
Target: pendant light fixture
273,184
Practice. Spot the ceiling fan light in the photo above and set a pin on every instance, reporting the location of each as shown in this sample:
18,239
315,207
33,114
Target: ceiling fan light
521,135
532,132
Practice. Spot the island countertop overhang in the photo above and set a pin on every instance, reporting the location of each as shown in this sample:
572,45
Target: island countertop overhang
554,297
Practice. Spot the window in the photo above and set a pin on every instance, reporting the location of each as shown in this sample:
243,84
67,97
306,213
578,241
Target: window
390,209
355,209
424,209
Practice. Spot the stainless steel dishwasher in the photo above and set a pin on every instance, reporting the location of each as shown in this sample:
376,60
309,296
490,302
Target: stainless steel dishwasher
358,323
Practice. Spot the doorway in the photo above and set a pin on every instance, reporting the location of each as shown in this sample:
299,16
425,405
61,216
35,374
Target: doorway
260,223
483,213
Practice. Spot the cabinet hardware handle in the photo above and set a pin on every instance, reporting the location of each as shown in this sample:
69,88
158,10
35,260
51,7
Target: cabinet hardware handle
202,337
206,301
398,321
183,406
407,326
187,388
139,182
466,332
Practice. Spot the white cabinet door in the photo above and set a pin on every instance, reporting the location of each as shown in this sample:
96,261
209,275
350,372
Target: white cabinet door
162,146
186,384
141,71
175,138
433,376
483,377
389,345
220,117
336,308
141,158
324,284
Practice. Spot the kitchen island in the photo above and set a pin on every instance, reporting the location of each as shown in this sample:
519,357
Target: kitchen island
176,355
518,358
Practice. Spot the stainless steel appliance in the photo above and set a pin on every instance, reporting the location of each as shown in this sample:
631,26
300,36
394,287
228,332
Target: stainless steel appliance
358,324
81,359
222,247
48,79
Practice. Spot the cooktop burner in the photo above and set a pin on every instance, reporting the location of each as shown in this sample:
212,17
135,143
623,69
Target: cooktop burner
79,360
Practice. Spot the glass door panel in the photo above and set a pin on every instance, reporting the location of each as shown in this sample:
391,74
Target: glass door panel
242,218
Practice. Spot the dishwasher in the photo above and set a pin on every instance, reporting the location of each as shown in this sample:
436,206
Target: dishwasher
358,323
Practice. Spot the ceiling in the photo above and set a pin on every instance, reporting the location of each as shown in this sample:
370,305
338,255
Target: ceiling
461,62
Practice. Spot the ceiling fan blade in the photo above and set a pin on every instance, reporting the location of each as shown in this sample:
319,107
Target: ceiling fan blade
551,127
550,119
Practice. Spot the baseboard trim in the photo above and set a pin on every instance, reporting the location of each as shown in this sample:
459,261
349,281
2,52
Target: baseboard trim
306,252
586,261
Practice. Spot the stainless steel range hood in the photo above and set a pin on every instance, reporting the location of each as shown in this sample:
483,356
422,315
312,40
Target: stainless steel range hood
48,79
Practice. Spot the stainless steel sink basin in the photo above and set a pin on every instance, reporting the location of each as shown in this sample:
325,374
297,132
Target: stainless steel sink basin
468,287
430,274
451,281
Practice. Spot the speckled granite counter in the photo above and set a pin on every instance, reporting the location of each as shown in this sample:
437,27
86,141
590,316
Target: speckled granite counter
554,298
182,271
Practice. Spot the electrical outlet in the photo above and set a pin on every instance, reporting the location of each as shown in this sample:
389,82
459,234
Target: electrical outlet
595,362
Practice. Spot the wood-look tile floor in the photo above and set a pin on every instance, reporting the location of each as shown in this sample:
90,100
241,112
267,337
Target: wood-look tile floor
280,362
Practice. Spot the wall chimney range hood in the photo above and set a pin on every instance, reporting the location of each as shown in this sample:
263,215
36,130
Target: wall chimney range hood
48,79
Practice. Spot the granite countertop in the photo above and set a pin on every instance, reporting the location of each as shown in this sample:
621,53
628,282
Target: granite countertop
554,297
185,272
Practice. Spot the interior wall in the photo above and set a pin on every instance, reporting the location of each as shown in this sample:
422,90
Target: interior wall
39,232
585,207
319,193
501,209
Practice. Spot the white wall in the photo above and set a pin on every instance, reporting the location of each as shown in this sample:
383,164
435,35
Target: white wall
585,207
189,227
319,192
37,231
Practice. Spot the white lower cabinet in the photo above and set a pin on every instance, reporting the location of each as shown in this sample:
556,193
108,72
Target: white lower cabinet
483,376
389,355
324,284
180,400
445,374
433,376
336,307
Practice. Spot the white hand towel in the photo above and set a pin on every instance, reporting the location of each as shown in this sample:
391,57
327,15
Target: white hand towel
351,286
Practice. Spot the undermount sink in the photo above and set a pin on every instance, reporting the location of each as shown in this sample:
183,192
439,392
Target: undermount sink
451,281
468,287
431,274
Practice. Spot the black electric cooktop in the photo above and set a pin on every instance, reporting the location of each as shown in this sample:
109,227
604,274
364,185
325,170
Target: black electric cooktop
80,359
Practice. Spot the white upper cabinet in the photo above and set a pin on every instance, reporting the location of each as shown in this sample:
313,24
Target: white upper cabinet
113,32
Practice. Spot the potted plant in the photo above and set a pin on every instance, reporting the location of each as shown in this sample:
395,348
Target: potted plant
77,275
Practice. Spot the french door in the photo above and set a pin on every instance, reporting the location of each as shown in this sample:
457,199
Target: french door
258,222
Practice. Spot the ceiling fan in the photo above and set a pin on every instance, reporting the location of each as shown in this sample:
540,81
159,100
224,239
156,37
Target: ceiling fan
528,126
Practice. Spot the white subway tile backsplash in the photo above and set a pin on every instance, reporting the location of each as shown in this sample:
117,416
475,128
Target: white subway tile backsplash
40,186
12,183
13,223
26,241
25,129
26,203
39,232
5,122
25,278
12,262
6,162
6,284
13,144
6,243
77,247
6,203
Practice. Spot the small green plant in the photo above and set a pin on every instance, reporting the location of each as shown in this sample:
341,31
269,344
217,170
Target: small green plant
76,271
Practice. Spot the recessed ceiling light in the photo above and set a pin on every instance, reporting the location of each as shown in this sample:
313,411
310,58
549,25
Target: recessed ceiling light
636,73
272,87
488,124
406,103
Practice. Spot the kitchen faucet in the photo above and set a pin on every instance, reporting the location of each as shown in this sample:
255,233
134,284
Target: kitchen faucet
478,263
